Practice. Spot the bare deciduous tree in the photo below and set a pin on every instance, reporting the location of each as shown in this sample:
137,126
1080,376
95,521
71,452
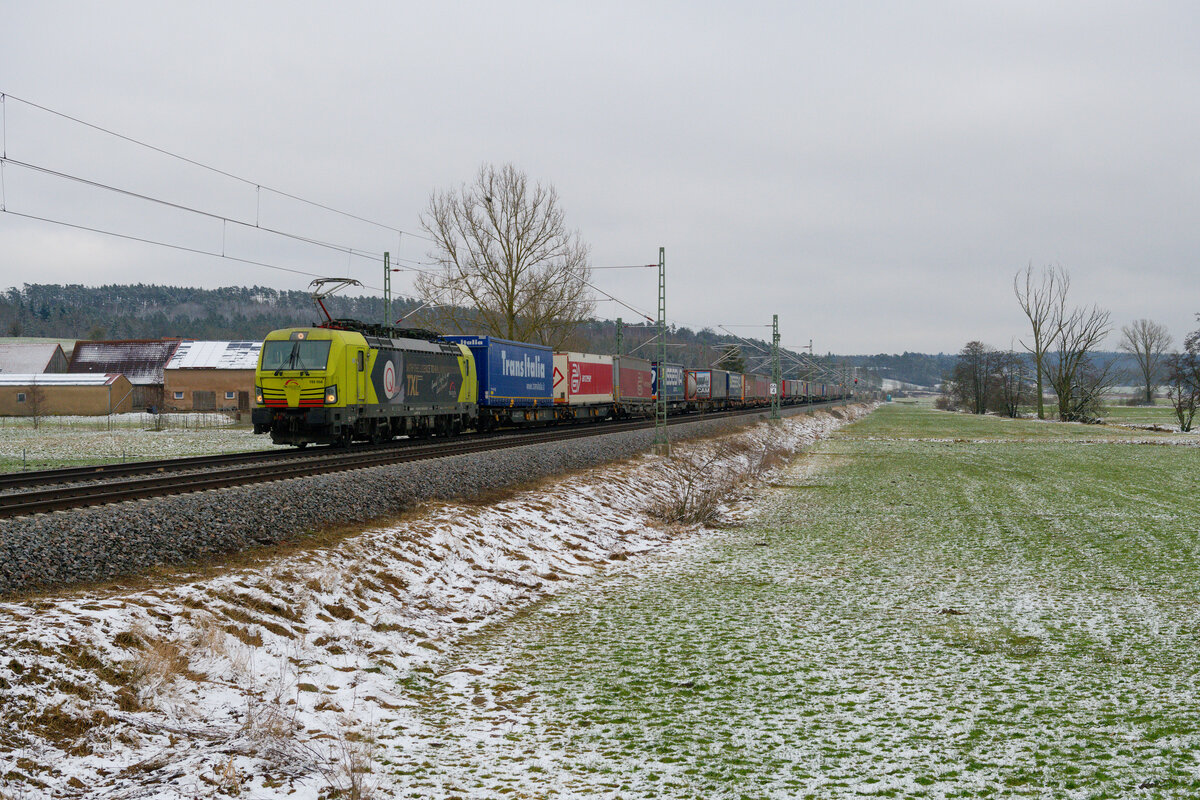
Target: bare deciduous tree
1183,387
970,383
507,261
1147,342
1183,380
35,399
1011,385
1074,376
1044,302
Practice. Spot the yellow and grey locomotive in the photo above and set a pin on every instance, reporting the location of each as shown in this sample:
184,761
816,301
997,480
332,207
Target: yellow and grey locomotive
352,381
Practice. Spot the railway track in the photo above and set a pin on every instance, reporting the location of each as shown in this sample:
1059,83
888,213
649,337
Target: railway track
63,489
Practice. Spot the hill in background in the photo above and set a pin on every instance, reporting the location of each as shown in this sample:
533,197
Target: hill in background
142,311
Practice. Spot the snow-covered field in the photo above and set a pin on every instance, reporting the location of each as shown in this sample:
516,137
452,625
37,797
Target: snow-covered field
62,441
321,671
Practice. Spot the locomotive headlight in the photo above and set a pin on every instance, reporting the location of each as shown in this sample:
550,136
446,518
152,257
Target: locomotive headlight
258,395
330,395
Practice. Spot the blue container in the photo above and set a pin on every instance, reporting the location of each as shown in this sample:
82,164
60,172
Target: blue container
735,386
672,380
511,374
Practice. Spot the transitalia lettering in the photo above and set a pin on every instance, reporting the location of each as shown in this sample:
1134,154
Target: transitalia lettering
522,367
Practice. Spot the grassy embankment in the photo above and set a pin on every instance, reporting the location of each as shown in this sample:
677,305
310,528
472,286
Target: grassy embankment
928,605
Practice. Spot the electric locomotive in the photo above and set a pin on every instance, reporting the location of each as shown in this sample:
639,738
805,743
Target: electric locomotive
349,381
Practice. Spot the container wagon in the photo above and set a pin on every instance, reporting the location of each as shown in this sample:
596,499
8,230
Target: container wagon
736,384
706,389
515,380
669,379
583,385
634,392
757,389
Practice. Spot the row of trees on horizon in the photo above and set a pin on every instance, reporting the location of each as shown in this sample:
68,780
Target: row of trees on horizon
1062,355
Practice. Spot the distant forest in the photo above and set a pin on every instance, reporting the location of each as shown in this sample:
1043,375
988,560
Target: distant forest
143,311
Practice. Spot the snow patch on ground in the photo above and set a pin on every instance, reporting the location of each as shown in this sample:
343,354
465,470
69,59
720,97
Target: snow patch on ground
132,437
282,680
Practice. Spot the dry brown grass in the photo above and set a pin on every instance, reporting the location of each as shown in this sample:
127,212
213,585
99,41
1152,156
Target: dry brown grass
348,771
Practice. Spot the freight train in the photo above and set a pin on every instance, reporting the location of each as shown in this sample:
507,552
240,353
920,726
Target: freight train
347,381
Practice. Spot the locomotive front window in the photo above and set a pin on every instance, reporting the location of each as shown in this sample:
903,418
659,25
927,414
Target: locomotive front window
302,354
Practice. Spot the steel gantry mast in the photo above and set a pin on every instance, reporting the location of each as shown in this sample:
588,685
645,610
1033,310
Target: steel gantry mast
662,441
776,371
387,288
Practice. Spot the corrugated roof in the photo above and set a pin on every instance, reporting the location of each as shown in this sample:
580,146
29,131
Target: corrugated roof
56,379
215,355
139,360
26,357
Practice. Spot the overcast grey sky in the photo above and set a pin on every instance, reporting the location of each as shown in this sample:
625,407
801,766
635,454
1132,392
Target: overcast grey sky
875,173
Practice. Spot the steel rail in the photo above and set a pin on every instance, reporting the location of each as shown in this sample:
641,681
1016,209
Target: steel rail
16,481
325,460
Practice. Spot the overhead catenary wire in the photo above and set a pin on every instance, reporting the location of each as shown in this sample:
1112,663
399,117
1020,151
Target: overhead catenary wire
249,182
179,247
796,358
258,187
190,209
351,252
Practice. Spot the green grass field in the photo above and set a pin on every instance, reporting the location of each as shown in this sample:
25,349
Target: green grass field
927,605
1161,414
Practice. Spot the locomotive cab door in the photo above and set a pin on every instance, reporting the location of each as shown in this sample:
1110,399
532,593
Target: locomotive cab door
360,368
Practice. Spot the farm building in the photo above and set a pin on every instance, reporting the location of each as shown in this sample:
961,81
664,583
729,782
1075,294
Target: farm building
140,360
32,357
32,395
211,376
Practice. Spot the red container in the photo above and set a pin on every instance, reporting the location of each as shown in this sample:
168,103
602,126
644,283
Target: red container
636,380
583,379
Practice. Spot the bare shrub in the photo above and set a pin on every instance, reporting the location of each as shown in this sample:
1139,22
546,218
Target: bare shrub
694,492
348,767
698,480
227,778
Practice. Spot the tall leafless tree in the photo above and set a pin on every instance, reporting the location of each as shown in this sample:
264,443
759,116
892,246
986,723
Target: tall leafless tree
507,261
1147,342
1077,380
1043,298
